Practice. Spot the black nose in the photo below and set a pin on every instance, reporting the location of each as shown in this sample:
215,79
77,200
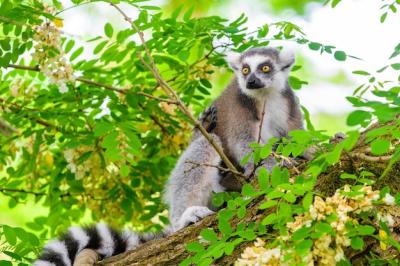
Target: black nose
254,83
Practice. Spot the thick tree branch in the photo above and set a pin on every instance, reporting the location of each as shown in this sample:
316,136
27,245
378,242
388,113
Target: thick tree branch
171,250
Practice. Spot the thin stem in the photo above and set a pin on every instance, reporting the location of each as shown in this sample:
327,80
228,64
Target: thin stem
261,122
197,164
157,98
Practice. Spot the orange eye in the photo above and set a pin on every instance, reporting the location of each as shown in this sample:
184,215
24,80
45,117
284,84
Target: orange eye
245,70
265,69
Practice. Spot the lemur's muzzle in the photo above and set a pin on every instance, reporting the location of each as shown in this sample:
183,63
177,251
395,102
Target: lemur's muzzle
254,83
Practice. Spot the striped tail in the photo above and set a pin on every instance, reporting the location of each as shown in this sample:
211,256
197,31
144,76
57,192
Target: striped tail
104,240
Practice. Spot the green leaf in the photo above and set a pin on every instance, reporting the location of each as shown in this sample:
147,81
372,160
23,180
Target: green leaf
361,72
10,235
365,229
224,227
209,235
340,55
248,190
70,44
395,66
99,47
380,146
358,117
263,176
270,219
5,263
108,30
335,3
301,233
307,201
383,17
323,227
348,176
206,83
357,243
276,176
194,247
268,204
314,46
77,53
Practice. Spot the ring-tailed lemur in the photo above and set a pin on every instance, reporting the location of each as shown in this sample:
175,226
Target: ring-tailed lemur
261,74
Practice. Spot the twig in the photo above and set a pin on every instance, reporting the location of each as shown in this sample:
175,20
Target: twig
37,194
261,122
157,98
365,157
286,159
174,96
197,164
37,120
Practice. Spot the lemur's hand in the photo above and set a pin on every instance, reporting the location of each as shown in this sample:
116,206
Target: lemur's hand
208,118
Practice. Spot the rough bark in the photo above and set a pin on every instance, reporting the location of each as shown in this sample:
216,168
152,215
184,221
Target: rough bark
171,250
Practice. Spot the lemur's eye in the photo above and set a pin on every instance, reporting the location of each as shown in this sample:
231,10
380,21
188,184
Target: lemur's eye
265,69
245,70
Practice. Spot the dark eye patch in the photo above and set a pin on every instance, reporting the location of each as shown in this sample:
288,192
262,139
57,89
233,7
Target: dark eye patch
266,63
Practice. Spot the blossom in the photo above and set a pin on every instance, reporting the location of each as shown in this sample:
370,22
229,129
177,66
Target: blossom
388,199
104,110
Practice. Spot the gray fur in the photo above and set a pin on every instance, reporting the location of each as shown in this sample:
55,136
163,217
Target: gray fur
191,185
240,105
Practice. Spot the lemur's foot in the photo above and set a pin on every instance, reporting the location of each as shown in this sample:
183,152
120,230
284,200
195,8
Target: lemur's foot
288,162
339,137
192,215
87,257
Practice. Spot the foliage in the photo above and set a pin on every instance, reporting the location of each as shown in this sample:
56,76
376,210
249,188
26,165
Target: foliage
86,128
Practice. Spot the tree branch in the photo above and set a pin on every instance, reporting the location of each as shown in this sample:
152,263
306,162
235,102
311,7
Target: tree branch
171,250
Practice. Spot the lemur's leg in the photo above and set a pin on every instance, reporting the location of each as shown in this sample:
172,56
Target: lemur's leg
192,182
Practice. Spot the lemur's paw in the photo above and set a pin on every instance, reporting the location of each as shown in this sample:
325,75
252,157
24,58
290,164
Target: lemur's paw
87,257
288,162
192,215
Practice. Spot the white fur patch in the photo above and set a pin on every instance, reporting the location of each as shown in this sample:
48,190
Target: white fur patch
276,114
233,59
286,56
80,236
131,238
59,247
193,214
43,263
107,242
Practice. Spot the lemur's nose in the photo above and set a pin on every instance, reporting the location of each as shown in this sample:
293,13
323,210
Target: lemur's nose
254,83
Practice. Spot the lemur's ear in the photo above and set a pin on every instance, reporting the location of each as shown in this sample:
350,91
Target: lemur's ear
233,60
286,59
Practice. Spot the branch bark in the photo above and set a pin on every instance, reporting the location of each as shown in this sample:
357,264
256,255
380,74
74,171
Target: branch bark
171,250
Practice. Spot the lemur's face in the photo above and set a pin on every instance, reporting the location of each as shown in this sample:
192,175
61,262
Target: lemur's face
261,70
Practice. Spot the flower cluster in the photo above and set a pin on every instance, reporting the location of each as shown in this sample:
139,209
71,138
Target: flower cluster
344,206
259,255
89,166
49,54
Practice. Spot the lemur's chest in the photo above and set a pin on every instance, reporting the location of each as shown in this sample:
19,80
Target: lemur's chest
275,120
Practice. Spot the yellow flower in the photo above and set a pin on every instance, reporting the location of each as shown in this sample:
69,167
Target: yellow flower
58,22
